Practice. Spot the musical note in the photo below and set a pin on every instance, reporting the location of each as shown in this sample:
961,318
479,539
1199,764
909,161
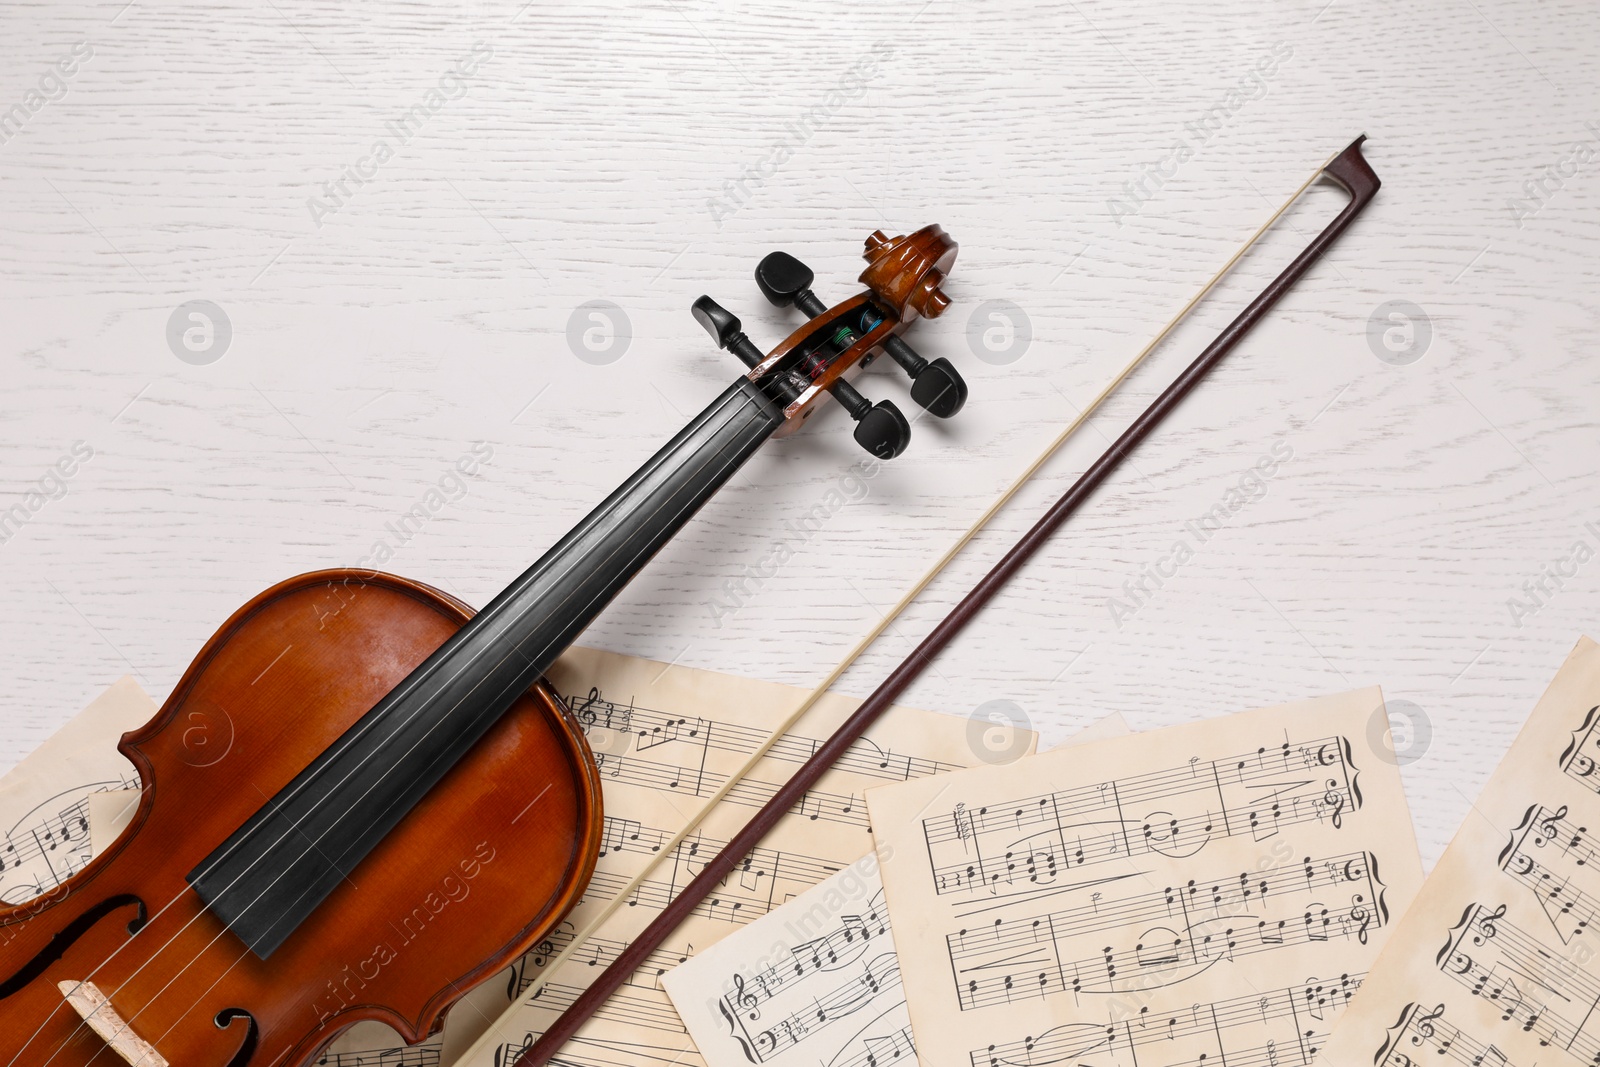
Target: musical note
816,981
1215,918
649,728
675,736
1426,1032
1550,854
44,800
803,1000
1113,906
1086,825
1552,997
1260,1028
380,1049
1500,940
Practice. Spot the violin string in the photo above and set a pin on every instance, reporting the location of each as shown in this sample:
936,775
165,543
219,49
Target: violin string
83,1024
822,688
749,402
789,722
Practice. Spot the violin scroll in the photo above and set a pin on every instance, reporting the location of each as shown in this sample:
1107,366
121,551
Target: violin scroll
903,277
906,272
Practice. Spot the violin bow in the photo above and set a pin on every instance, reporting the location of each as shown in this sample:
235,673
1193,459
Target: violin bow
1348,169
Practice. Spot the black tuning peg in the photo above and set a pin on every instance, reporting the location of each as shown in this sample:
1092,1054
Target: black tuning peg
785,280
880,428
725,329
936,386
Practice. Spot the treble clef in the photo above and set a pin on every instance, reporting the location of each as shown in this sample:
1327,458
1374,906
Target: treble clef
751,1051
1420,1027
1359,914
1550,825
507,1054
744,1000
1423,1022
1333,798
1486,924
584,709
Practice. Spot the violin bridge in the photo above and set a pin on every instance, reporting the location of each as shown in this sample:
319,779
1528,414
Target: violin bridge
92,1005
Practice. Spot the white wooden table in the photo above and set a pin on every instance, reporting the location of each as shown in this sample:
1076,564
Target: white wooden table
645,154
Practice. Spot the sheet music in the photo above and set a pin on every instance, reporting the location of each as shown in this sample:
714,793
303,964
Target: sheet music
44,800
815,982
664,737
375,1047
1206,893
1496,962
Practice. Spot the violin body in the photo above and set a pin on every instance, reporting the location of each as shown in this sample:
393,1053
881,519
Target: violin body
485,865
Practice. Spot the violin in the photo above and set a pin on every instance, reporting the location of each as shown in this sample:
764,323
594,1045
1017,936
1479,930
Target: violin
403,806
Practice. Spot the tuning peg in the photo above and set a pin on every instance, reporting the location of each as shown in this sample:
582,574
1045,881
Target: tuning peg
725,329
785,280
935,385
880,428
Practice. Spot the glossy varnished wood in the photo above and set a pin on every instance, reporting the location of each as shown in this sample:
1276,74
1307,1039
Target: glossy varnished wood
485,865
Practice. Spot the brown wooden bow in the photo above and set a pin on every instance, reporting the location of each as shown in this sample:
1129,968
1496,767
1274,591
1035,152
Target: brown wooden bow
1348,169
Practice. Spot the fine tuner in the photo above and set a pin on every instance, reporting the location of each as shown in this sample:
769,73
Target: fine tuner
903,276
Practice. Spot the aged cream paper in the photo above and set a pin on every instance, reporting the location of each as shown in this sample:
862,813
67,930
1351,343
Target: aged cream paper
1207,893
44,800
814,982
665,737
110,813
1495,964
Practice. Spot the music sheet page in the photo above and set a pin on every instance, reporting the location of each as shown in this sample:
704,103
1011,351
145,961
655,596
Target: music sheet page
1495,964
665,737
1206,893
44,800
815,983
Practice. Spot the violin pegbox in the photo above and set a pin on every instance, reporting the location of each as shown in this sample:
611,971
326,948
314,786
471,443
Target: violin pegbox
903,279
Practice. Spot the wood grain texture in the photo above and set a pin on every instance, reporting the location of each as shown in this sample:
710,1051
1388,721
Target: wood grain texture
431,311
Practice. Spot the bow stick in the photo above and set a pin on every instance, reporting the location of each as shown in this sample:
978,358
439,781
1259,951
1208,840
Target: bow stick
1351,172
612,906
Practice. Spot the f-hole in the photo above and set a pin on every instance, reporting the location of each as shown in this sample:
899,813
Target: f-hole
252,1034
67,936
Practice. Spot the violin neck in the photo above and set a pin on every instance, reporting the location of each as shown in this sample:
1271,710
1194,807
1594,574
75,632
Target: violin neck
266,878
